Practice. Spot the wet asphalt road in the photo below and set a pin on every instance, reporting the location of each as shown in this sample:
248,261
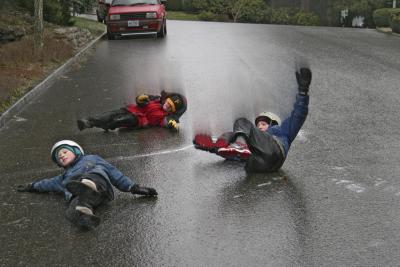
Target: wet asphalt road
334,203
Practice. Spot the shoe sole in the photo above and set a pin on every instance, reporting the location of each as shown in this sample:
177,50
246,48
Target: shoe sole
233,155
208,144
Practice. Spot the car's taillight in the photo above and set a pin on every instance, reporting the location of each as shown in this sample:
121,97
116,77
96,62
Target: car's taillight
151,15
115,17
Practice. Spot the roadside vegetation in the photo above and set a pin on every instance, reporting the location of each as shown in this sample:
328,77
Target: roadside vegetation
20,69
388,18
253,11
95,28
302,12
181,15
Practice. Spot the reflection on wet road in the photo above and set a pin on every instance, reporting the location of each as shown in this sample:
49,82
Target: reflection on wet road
334,203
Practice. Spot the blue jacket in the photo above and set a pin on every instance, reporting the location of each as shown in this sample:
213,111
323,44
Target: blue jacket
84,165
291,126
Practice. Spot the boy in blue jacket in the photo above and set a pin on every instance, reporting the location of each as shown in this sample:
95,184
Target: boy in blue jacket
87,182
266,145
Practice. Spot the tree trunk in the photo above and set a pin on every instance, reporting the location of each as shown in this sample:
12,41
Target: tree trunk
240,4
394,4
305,5
38,29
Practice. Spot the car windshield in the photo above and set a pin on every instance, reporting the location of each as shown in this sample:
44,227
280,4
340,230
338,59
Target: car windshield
133,2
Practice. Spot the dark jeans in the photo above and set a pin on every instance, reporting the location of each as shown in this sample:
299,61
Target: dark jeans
114,119
90,201
267,154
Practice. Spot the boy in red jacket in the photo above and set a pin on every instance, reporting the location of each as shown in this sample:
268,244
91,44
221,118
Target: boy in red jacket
150,110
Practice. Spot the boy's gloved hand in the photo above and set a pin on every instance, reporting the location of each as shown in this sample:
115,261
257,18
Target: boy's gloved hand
25,188
141,190
142,100
163,94
172,124
303,80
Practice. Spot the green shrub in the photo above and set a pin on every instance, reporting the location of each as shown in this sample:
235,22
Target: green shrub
180,15
306,19
175,5
223,18
291,16
210,16
395,23
188,6
52,11
65,13
282,15
207,16
253,11
382,16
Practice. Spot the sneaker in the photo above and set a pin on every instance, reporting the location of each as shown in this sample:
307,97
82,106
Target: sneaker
220,143
234,153
206,143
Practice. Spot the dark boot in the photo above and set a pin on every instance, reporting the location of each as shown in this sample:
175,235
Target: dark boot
81,215
242,127
86,218
86,192
122,120
110,120
84,123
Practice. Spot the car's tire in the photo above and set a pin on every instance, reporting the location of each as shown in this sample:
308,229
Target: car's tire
110,36
163,30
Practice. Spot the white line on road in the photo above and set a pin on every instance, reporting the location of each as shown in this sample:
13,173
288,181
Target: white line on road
149,154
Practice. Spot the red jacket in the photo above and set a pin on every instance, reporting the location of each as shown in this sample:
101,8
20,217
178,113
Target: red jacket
152,114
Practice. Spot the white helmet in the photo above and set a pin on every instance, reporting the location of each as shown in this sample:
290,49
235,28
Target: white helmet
66,143
272,118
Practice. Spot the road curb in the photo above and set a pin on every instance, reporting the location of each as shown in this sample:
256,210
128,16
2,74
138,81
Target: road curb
387,32
18,106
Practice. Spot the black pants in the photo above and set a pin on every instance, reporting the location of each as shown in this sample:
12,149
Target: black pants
114,119
90,202
267,154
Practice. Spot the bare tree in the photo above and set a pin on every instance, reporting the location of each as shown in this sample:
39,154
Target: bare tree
38,35
305,5
236,8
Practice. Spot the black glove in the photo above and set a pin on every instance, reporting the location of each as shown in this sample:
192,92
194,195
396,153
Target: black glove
25,188
303,80
141,190
163,94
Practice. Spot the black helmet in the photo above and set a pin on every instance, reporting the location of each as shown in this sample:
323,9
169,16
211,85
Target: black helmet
176,102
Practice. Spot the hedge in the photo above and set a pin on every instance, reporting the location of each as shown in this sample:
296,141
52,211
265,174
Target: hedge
291,16
395,23
382,16
209,16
